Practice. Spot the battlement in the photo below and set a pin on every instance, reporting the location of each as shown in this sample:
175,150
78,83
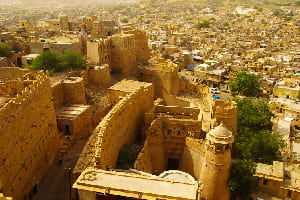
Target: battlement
225,106
31,82
141,44
112,128
163,74
137,33
100,75
122,41
28,130
225,111
177,112
123,53
12,73
166,66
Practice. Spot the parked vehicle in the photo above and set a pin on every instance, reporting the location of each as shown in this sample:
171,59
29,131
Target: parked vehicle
216,97
214,90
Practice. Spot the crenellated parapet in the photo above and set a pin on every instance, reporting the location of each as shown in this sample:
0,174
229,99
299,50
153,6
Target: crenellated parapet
163,74
21,98
113,133
226,111
28,131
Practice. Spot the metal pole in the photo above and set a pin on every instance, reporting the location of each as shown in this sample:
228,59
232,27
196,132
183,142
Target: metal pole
70,187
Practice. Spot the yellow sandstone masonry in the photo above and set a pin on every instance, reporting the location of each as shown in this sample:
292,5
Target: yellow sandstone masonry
29,137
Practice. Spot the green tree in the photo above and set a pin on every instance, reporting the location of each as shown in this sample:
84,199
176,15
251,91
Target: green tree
254,139
124,20
288,18
127,156
141,18
254,114
277,12
225,24
4,50
245,83
188,19
72,60
241,181
203,24
47,61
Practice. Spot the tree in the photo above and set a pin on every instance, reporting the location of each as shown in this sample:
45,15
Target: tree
127,156
288,18
241,180
203,24
254,139
124,20
4,50
47,61
225,24
277,12
245,83
72,60
254,114
54,63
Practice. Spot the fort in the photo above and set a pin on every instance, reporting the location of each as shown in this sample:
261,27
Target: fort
173,139
150,113
180,132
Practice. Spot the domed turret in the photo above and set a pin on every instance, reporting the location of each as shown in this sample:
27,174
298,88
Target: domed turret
220,135
215,172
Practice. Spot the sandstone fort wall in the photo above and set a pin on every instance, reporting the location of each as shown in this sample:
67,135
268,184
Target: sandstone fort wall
123,53
74,90
141,45
225,111
121,125
100,76
193,157
164,76
98,52
29,136
58,94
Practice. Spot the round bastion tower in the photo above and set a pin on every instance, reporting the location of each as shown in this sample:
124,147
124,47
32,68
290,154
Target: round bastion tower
215,171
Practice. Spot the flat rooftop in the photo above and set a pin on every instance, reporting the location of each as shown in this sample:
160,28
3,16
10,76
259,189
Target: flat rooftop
218,70
72,112
31,55
135,185
295,147
129,85
288,102
274,171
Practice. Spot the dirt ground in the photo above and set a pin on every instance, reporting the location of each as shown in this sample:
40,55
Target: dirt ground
56,183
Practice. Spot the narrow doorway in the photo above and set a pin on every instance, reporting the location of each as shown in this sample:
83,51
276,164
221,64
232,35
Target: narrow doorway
67,129
173,164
